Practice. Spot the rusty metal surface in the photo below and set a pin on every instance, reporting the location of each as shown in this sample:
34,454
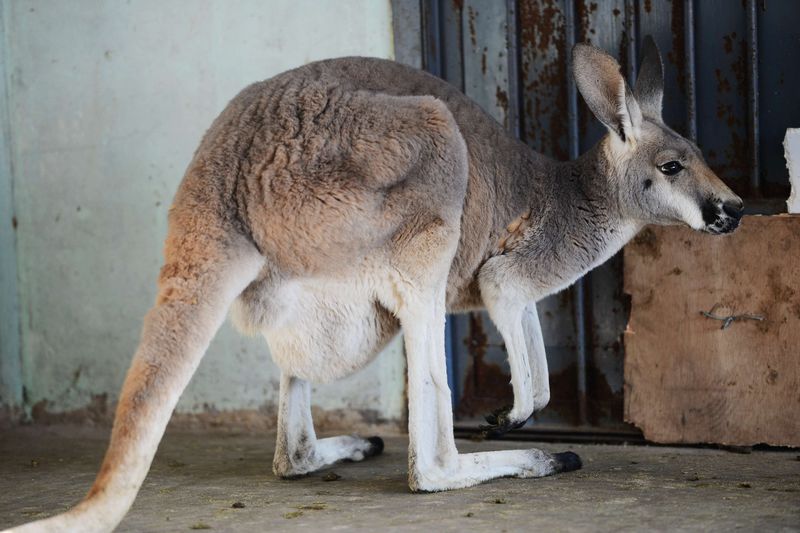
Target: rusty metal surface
723,59
452,43
722,90
753,129
484,27
779,80
543,76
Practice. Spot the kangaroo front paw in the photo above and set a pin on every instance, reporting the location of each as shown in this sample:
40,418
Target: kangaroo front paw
500,422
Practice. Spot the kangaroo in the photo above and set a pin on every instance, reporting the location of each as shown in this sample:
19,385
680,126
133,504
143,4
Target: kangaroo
333,204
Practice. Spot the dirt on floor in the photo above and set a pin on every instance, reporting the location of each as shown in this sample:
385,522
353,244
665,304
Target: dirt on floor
224,482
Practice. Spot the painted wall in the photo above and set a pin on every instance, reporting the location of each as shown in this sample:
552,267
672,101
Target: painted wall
106,103
10,352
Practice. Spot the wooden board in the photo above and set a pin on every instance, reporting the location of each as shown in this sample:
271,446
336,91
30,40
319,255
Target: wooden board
688,380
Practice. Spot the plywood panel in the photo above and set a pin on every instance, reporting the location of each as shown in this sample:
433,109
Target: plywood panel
686,378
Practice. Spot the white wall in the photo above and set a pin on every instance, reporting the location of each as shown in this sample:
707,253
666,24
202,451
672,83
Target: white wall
106,103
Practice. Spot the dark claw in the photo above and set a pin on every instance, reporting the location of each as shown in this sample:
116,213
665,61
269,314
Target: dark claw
376,448
567,461
499,423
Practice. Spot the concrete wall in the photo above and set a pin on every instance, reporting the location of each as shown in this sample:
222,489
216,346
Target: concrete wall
10,349
106,102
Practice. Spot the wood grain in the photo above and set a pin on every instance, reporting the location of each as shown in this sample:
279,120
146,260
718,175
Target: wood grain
687,379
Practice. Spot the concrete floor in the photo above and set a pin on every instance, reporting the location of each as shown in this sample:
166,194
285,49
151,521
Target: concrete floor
223,482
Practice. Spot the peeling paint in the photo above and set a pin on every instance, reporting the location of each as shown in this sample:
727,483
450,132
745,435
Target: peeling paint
544,76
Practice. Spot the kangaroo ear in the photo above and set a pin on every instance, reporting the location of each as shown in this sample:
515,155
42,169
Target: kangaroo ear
605,91
649,89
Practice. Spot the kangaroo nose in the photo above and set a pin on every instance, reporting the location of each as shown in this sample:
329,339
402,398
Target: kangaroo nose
734,208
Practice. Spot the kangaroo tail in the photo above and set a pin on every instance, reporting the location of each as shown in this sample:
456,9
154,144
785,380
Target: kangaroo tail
208,262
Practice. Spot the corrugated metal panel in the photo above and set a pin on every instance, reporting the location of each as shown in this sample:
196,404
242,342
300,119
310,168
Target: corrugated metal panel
724,62
485,62
779,80
722,90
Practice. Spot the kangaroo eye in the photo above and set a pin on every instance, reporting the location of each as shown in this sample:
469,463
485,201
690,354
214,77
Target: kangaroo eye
671,168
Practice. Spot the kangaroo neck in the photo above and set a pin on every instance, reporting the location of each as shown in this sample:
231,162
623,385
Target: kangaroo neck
574,221
588,186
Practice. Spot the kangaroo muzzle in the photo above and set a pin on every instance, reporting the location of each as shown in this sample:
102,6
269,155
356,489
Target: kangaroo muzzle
722,216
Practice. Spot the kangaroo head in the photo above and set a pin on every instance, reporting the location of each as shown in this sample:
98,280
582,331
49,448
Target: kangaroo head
661,177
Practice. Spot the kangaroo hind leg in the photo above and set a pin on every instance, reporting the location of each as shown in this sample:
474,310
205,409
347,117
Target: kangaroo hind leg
434,461
206,267
298,451
337,333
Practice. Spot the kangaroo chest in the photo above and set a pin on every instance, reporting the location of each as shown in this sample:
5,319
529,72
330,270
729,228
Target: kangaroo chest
545,256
